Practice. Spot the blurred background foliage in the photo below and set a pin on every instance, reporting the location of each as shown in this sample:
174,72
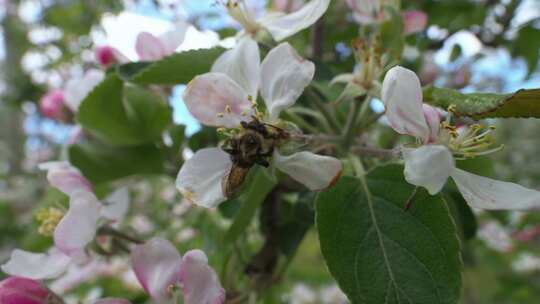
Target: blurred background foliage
471,45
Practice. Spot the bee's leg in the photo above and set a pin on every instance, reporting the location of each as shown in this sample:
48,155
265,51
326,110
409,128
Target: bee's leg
230,150
267,153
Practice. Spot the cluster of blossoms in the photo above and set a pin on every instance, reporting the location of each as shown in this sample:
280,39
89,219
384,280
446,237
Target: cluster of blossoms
226,98
156,263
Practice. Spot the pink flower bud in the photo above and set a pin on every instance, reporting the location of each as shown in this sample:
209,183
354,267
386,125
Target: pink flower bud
414,21
52,105
105,55
16,290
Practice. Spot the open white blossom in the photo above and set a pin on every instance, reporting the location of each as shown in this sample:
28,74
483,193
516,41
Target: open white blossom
431,164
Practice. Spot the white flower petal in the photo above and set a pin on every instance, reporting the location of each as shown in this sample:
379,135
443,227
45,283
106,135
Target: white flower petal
171,40
287,25
428,166
200,282
78,227
402,98
242,64
486,193
216,100
117,205
284,76
149,47
200,178
65,177
157,266
77,89
37,266
316,172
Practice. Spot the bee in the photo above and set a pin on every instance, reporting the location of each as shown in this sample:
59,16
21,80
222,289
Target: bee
254,144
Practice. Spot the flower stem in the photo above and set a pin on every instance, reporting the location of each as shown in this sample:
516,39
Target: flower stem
357,107
321,106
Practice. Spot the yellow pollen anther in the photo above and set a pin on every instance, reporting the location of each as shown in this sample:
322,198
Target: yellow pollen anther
48,219
220,115
228,109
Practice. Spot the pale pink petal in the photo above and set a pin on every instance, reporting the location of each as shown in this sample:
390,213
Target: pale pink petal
284,76
172,39
402,98
486,193
149,47
79,225
77,89
241,64
17,290
112,301
36,266
200,282
316,172
157,266
120,57
116,205
216,100
433,120
65,177
414,21
200,178
287,25
428,166
367,11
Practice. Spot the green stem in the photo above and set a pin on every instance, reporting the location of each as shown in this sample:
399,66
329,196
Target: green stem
300,122
322,107
357,108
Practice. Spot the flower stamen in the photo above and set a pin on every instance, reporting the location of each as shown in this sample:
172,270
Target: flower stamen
48,219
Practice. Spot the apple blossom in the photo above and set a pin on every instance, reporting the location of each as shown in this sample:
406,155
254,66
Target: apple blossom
158,267
17,290
107,56
51,105
72,231
76,89
414,21
150,47
280,26
225,98
430,164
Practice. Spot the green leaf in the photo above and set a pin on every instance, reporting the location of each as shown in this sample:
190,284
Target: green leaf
178,68
527,45
380,253
462,213
149,113
102,163
129,70
123,115
259,188
523,103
